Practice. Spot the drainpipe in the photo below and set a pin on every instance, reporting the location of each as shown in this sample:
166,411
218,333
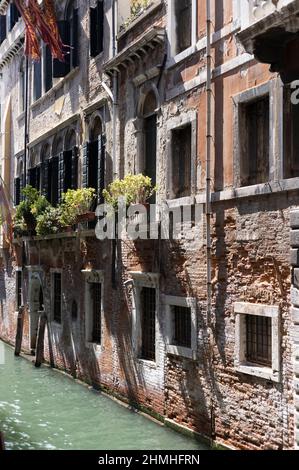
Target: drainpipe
208,162
115,91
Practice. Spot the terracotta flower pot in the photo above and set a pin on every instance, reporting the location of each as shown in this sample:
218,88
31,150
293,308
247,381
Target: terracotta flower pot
87,217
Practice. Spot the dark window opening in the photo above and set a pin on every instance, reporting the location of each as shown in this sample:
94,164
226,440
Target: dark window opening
182,326
150,134
93,167
291,137
2,28
255,149
148,324
53,195
48,69
259,340
14,16
17,191
96,297
183,16
34,177
57,297
19,280
37,85
181,161
97,29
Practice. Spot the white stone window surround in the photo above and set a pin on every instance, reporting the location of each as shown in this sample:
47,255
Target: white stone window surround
52,272
170,301
188,118
140,280
171,30
92,276
242,309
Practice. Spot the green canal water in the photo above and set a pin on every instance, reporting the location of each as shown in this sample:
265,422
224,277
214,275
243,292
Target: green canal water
41,409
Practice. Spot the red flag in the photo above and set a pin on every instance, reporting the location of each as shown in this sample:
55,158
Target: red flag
32,48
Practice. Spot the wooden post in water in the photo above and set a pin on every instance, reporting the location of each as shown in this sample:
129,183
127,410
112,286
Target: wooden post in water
40,339
2,442
19,335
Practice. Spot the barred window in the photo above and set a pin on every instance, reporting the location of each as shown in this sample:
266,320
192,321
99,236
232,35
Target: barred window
182,326
19,289
259,340
96,297
148,323
181,161
57,297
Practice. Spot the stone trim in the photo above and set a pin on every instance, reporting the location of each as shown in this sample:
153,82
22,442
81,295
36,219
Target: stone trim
170,301
242,309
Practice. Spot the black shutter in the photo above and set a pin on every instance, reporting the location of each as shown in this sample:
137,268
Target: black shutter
101,167
2,28
48,69
37,80
61,176
93,32
37,177
17,192
54,181
61,69
86,148
30,177
21,187
45,178
75,155
75,39
100,24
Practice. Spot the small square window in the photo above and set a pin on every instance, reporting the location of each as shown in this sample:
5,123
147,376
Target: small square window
148,323
259,340
181,326
181,161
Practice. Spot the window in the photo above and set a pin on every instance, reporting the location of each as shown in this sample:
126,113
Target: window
291,140
17,191
97,29
34,177
96,296
37,80
94,282
181,161
148,323
69,32
49,175
258,340
181,330
2,28
145,330
150,138
19,289
257,349
47,68
183,15
14,16
94,159
57,298
254,165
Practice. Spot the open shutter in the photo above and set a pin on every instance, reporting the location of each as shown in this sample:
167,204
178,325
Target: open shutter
17,192
48,69
37,71
75,155
21,187
37,176
100,26
93,32
101,167
2,28
61,176
54,181
45,178
75,40
85,179
61,69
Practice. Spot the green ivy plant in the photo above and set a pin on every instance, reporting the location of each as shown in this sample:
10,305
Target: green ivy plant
135,189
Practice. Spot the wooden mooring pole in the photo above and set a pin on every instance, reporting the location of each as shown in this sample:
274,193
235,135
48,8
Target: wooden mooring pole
40,339
2,442
19,335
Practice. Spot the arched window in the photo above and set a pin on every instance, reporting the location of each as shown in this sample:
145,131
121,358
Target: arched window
34,171
49,175
94,158
69,32
70,162
149,117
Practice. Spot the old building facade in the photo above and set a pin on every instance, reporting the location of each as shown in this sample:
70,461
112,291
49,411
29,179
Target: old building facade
131,316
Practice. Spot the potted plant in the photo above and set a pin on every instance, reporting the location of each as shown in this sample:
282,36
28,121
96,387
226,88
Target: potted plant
49,222
134,189
28,210
76,206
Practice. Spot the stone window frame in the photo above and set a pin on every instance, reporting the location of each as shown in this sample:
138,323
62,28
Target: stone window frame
52,272
175,124
170,301
140,280
274,90
95,276
171,28
241,310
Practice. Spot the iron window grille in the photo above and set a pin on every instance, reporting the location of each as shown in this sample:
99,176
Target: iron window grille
57,297
148,323
96,296
259,340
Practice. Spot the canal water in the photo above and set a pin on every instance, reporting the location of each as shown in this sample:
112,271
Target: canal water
41,409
